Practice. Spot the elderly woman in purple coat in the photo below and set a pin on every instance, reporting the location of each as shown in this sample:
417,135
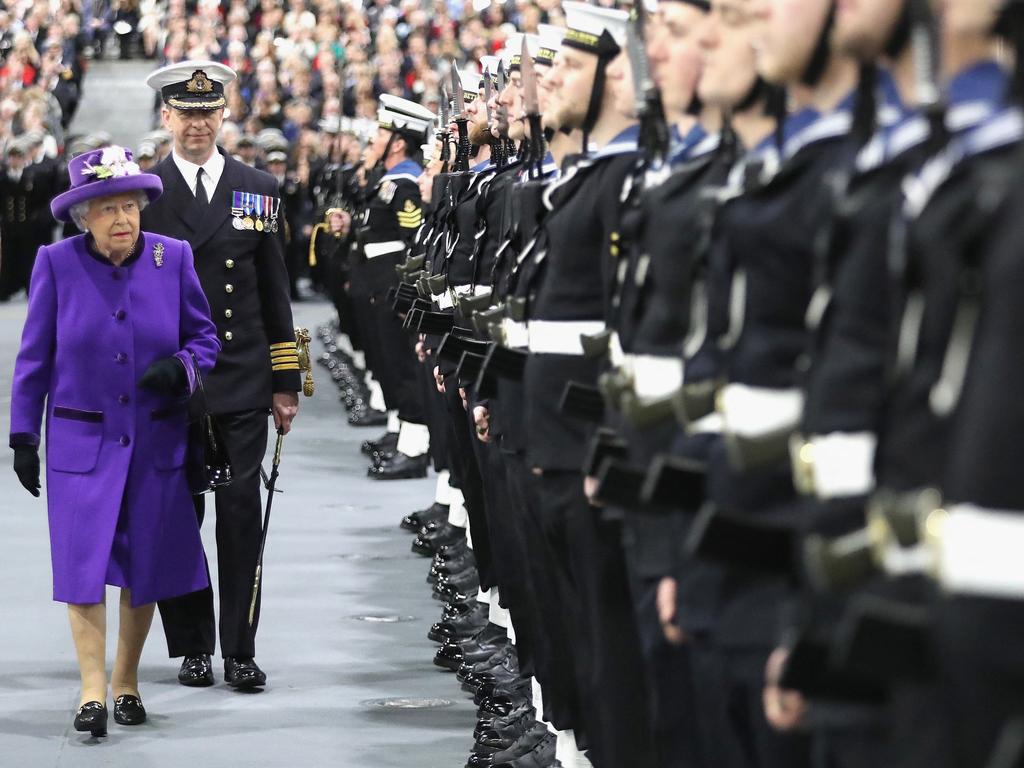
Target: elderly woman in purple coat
117,323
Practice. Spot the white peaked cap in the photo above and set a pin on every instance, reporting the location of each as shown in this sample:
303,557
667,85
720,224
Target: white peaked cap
594,20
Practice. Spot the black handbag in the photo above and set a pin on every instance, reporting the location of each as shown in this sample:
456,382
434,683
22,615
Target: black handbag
208,464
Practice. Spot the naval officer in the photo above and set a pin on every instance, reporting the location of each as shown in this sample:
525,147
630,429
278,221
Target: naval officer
231,215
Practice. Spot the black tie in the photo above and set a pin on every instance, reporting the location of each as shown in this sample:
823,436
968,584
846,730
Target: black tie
201,197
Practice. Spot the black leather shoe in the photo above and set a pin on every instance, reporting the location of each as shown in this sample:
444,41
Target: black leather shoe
196,671
430,544
400,467
461,627
367,417
541,756
522,746
501,706
92,717
388,439
128,710
415,521
383,456
496,723
243,674
452,567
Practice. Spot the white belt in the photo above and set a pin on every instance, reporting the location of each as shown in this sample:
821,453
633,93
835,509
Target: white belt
373,250
516,335
615,354
759,411
706,425
561,337
447,299
835,465
978,551
654,377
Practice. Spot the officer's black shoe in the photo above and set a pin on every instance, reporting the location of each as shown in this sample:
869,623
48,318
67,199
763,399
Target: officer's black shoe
454,610
450,567
461,627
451,588
502,667
92,717
382,455
385,440
514,690
503,736
521,746
400,467
491,680
500,706
431,543
415,521
128,710
486,642
449,551
541,756
367,417
242,673
489,723
196,671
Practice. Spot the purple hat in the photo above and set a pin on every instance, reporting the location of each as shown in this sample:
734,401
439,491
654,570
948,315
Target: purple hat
102,172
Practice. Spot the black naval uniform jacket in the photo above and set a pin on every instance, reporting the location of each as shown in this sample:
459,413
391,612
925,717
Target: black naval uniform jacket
244,278
575,287
385,229
767,238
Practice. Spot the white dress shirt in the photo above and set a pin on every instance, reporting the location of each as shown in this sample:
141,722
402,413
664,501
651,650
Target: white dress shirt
214,167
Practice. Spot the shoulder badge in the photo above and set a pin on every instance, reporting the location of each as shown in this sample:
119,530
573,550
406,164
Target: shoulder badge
386,191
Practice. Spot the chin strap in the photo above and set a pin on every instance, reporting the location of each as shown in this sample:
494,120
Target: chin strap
865,112
607,49
822,51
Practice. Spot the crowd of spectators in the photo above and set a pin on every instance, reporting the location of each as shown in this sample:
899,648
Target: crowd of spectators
305,68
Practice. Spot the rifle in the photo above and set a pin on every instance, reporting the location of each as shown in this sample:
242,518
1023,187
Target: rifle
461,121
442,130
488,94
654,132
531,106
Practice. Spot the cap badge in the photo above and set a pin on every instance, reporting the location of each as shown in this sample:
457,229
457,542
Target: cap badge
199,83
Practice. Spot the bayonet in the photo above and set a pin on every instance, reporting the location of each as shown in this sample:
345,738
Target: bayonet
462,155
531,107
442,132
654,133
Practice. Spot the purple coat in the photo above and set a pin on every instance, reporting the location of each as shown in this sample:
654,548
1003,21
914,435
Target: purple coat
114,453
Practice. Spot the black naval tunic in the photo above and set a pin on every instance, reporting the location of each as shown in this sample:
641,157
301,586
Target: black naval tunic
575,282
244,278
386,227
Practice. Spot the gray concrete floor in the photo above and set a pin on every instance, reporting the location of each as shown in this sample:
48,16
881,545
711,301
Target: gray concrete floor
335,554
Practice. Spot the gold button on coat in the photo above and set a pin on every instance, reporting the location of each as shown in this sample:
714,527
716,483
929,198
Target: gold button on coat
230,263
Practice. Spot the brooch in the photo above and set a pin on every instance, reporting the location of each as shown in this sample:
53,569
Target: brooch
158,254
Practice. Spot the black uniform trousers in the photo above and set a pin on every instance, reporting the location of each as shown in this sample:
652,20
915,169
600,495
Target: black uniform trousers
611,680
436,415
397,364
17,257
189,620
467,472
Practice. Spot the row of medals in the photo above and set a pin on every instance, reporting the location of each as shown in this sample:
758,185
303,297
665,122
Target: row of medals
268,224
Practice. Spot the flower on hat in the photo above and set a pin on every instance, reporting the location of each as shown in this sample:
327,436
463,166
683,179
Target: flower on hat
115,162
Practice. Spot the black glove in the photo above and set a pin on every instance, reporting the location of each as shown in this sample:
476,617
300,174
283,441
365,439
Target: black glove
26,467
165,377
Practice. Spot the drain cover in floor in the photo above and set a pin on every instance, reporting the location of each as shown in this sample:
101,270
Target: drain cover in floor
400,703
382,618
